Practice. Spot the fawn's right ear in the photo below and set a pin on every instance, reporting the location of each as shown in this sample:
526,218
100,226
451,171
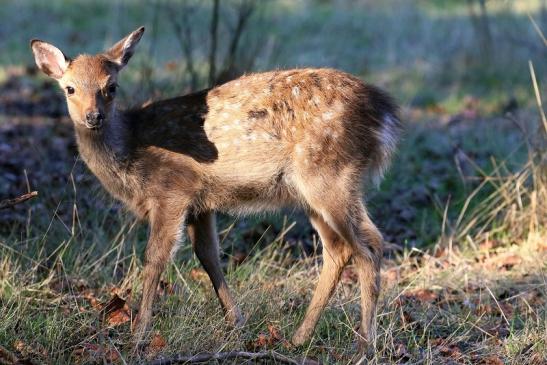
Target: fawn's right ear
49,58
121,52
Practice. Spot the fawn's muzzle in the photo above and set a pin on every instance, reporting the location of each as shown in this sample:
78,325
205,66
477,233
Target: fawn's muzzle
94,120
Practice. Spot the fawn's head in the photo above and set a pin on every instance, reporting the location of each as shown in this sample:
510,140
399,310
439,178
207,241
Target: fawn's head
89,82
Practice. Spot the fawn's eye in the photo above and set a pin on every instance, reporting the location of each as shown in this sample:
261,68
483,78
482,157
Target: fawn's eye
69,90
112,88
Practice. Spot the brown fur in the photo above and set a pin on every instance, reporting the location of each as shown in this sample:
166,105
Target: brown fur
301,138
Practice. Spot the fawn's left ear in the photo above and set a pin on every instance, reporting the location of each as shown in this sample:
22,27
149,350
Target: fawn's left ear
49,58
121,52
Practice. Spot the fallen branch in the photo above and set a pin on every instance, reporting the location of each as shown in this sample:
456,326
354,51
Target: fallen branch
8,203
219,356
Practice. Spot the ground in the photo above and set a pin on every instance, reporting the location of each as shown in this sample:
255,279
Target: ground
462,209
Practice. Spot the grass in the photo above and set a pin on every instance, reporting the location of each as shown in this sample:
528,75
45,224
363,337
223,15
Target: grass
462,208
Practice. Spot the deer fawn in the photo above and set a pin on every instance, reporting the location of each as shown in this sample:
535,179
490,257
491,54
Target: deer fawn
303,137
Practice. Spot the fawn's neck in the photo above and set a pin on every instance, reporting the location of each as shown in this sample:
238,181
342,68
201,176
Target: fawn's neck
106,151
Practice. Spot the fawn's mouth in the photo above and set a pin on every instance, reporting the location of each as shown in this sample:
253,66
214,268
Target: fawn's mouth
93,125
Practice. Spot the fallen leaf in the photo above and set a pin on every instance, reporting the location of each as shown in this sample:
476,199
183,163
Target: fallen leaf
115,290
503,261
422,295
273,337
447,350
199,275
92,300
27,350
492,360
274,333
157,343
261,341
116,311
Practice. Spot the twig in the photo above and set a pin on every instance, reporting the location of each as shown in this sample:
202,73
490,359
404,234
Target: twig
8,203
214,37
244,13
231,355
183,32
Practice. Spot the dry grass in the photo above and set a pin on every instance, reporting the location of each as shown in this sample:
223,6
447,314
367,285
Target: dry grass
479,296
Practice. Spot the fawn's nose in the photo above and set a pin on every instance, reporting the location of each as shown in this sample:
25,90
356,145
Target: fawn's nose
94,119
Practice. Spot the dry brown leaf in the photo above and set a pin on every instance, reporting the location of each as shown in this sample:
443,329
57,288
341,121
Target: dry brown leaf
492,360
273,337
27,350
199,275
423,295
274,333
92,300
158,343
116,311
260,342
122,293
447,350
452,351
503,261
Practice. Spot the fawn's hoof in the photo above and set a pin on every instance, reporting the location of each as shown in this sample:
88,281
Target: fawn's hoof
236,319
300,337
239,322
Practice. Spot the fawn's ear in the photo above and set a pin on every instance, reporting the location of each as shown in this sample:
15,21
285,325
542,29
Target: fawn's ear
49,58
121,52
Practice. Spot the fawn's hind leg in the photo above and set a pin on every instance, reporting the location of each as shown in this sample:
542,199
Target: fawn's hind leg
337,201
355,226
203,234
336,253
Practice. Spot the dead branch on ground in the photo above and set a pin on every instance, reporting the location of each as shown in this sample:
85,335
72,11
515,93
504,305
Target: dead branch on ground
232,355
8,203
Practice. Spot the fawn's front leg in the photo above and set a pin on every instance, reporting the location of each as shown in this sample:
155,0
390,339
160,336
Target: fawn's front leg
165,231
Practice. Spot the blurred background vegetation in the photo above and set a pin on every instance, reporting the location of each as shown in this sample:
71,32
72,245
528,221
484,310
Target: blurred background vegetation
470,170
